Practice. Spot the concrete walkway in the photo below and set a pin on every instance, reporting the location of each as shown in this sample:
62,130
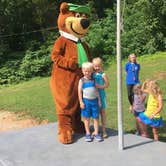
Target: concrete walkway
39,146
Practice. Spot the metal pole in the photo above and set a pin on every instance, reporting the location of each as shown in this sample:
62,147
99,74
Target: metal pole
119,79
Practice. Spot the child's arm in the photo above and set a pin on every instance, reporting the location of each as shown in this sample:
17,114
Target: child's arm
106,82
145,86
80,94
159,108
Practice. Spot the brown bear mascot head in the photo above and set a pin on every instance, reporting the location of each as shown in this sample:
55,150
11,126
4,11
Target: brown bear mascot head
73,19
68,54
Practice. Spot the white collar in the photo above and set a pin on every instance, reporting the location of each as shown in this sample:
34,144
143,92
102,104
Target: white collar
70,36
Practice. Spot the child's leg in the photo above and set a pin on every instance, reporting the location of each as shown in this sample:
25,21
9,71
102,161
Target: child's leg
103,120
130,96
97,137
138,128
96,126
155,133
87,124
143,129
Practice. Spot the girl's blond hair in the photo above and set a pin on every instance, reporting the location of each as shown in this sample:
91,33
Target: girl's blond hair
152,87
88,65
98,60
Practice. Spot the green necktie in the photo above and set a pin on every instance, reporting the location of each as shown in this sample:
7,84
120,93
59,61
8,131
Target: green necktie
82,57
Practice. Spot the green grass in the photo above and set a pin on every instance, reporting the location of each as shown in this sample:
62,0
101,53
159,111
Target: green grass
34,97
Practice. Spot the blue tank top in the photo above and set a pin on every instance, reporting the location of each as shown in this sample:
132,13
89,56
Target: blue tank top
99,80
88,88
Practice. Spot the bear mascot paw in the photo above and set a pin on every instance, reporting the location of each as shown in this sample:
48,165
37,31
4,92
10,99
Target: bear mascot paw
68,54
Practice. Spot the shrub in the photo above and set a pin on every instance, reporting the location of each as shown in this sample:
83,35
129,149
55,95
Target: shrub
36,63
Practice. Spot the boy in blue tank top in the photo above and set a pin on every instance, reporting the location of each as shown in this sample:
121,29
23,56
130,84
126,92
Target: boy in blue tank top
89,101
102,82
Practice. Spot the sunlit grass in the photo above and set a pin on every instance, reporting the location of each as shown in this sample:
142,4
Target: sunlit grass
32,97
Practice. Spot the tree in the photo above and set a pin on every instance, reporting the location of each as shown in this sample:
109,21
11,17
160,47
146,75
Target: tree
144,30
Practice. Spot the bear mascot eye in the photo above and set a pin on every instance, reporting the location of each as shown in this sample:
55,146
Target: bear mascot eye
84,16
77,15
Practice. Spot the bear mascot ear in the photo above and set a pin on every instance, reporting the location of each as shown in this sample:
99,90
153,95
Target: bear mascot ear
64,8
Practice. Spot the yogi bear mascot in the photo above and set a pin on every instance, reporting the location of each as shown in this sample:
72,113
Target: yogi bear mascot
68,54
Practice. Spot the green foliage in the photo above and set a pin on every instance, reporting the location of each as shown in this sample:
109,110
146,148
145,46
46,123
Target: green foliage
36,63
143,27
101,37
9,72
4,50
19,20
32,64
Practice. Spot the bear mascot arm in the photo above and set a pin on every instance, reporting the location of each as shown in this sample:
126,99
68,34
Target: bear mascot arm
58,55
68,54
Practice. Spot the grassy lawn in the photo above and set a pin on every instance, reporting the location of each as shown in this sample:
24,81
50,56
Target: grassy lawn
34,97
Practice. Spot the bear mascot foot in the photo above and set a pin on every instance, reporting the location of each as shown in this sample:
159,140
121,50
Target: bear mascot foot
65,137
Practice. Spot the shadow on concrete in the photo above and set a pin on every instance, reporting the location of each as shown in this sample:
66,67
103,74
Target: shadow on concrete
138,144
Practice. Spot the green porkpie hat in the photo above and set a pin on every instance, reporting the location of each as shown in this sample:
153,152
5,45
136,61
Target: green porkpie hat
79,8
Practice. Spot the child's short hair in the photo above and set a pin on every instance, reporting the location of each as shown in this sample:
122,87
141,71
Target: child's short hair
88,65
99,60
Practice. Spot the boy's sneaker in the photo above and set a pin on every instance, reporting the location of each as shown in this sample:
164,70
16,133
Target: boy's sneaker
88,138
98,138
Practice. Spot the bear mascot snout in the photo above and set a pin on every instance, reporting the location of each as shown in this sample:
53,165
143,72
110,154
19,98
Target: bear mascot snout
68,54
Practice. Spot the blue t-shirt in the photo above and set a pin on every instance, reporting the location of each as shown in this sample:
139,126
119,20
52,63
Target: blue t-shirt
132,70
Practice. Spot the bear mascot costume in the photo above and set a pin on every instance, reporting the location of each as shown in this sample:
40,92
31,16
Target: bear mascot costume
68,54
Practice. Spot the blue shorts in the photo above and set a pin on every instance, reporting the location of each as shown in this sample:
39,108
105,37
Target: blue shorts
91,108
